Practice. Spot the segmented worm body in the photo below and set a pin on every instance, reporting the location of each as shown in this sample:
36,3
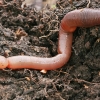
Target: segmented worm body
72,20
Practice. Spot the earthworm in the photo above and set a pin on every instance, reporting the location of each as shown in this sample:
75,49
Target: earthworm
78,18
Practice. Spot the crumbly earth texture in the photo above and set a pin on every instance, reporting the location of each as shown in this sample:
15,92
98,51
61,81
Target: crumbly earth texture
30,32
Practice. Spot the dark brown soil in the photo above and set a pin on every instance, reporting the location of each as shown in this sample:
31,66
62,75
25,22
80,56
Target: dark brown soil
28,32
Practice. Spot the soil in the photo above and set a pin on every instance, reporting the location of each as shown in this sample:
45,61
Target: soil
29,32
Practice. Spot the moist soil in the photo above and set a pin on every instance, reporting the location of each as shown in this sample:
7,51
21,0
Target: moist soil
35,33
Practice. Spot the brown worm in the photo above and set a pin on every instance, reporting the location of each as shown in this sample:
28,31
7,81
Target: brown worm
72,20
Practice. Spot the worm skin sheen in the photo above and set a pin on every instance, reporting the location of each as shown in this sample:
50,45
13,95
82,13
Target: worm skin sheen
77,18
64,49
